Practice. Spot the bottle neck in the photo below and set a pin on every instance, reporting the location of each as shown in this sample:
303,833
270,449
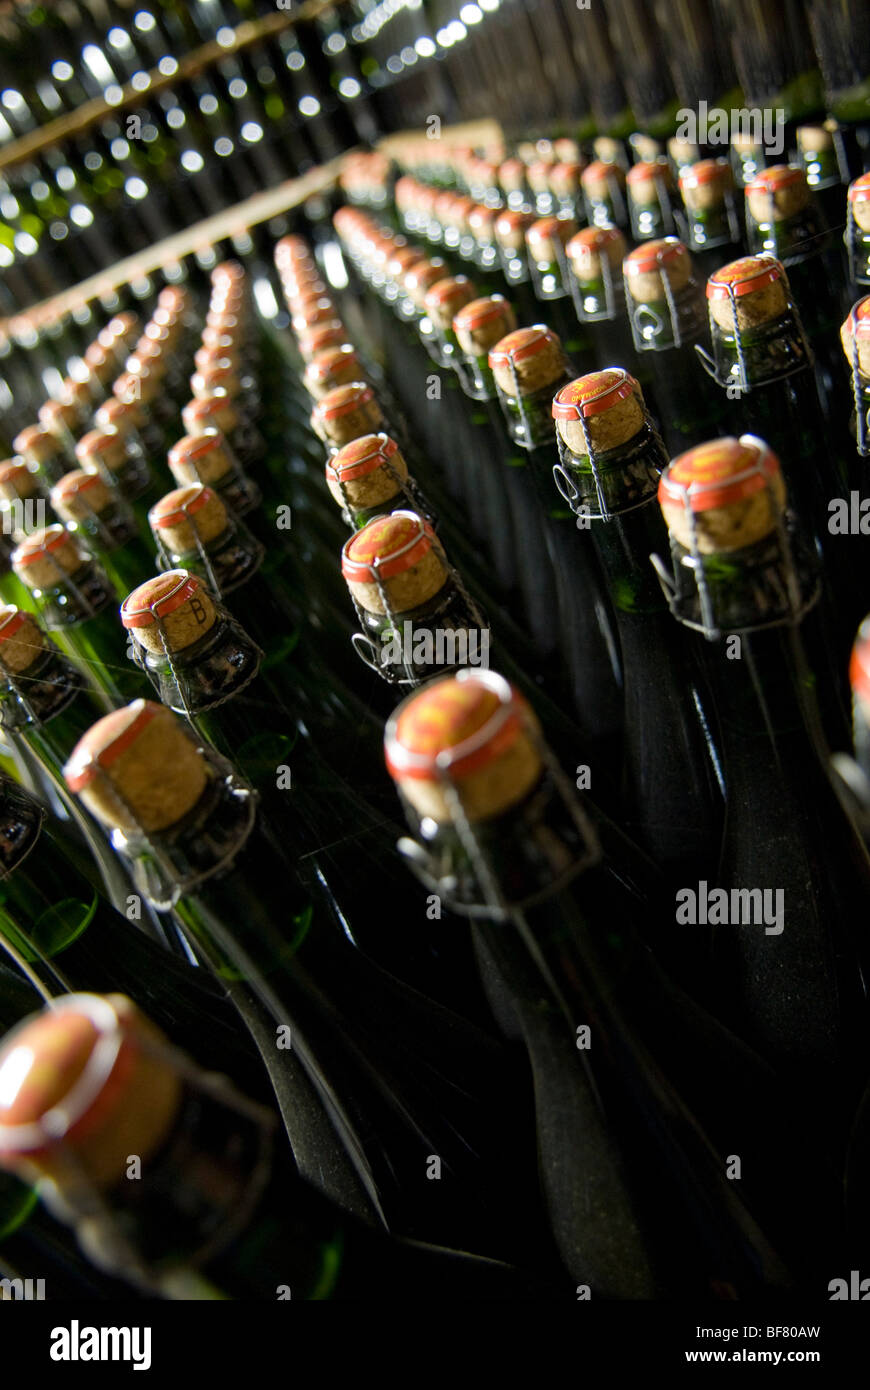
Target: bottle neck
440,635
76,598
616,481
215,668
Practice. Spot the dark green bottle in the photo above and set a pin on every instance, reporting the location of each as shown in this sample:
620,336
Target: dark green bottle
78,605
611,460
792,887
498,831
220,1211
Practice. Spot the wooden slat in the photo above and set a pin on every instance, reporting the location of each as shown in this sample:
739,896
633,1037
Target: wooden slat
231,222
74,123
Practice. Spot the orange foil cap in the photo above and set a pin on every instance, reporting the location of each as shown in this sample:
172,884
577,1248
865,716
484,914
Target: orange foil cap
744,276
480,311
194,446
704,171
593,394
360,457
158,597
12,621
342,399
859,189
387,546
719,473
95,441
456,726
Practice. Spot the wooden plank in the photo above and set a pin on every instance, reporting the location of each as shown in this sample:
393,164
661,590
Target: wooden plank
231,222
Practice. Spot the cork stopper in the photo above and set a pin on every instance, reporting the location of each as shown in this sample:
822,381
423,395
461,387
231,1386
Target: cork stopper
398,550
169,612
599,178
221,375
17,481
648,180
59,417
210,412
361,471
547,237
564,178
607,149
82,1086
590,249
732,490
137,768
207,357
856,332
512,175
315,312
481,323
77,394
80,495
777,193
472,732
345,413
481,223
683,152
402,261
705,185
123,416
421,277
99,363
330,368
331,334
527,360
608,402
446,298
44,557
859,201
141,388
22,640
750,291
859,667
510,229
199,458
102,449
649,266
37,445
646,147
186,518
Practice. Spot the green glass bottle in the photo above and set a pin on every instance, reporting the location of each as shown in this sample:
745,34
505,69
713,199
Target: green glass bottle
496,829
611,460
791,979
220,1211
197,845
76,602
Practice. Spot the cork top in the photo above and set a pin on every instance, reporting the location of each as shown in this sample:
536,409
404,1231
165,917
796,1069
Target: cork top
597,176
80,495
859,665
343,399
528,359
44,557
777,192
706,171
325,335
215,411
17,481
83,1085
585,249
134,389
610,403
199,458
98,442
855,333
138,768
646,177
543,234
222,374
36,444
511,173
481,323
510,229
122,416
313,314
21,639
56,416
446,297
471,732
395,553
345,413
564,177
403,260
169,612
730,491
187,517
332,367
481,220
421,277
753,290
361,456
859,201
647,267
